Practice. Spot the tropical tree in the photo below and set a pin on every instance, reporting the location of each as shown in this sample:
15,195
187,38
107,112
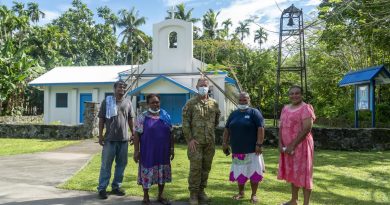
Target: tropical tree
261,36
226,24
182,14
242,29
17,67
132,35
210,24
34,13
18,8
109,17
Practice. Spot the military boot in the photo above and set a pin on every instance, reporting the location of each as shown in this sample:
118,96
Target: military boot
194,198
202,196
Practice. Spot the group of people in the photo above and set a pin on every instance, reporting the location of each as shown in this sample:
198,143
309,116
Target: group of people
243,136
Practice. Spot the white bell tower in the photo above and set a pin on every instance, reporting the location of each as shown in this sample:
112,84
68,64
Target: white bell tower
172,46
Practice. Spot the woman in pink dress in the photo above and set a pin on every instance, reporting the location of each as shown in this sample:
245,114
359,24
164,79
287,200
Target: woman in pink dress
296,146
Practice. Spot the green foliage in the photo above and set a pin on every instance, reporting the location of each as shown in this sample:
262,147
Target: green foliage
348,35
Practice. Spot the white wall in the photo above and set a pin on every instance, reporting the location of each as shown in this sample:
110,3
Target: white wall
172,60
71,114
162,86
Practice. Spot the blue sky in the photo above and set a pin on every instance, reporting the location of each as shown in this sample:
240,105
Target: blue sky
155,10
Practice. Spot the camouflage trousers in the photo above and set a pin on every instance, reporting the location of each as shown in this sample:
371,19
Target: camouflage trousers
200,166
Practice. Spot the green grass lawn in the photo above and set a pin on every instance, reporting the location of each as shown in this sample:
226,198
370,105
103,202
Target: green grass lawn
339,178
10,146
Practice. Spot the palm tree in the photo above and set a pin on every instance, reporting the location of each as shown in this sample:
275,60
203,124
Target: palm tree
242,29
210,24
34,13
18,8
130,21
261,36
226,24
182,14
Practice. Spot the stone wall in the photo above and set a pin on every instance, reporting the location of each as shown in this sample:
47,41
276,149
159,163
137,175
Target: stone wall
40,131
43,131
38,119
356,139
91,120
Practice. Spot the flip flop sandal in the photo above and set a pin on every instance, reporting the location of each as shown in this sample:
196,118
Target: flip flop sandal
254,199
238,196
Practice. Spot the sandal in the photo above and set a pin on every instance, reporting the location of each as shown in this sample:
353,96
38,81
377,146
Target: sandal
238,196
164,201
254,199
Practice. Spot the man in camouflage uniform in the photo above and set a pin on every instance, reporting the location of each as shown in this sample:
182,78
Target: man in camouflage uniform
200,117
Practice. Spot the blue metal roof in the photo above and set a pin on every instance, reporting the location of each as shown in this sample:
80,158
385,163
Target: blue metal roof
364,75
190,90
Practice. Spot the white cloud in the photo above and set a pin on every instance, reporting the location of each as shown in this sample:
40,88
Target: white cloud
174,2
313,3
266,10
49,16
268,13
64,7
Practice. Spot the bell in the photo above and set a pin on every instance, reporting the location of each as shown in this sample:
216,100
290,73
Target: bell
290,22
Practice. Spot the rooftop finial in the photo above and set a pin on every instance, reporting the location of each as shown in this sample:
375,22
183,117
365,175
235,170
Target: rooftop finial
172,11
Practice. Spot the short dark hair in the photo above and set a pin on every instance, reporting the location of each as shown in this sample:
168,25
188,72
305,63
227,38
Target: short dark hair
202,79
296,86
117,83
150,96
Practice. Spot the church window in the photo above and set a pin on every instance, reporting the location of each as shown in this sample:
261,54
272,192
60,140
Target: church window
61,99
173,39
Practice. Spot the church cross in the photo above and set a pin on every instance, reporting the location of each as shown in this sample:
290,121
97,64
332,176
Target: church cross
172,11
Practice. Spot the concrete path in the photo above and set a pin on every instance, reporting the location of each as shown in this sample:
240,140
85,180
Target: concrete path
31,179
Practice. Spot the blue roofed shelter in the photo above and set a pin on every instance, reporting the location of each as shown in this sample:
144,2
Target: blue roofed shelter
365,81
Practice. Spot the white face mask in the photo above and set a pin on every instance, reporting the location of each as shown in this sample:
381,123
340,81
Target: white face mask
243,107
203,90
154,111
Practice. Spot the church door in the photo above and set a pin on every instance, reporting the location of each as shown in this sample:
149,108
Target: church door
84,97
173,104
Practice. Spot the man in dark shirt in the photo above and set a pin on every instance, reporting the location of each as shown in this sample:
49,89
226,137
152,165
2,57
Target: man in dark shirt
116,115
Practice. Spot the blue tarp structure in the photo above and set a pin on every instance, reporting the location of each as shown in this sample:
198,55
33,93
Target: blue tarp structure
379,73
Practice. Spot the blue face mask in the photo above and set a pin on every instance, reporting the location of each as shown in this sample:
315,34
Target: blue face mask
203,90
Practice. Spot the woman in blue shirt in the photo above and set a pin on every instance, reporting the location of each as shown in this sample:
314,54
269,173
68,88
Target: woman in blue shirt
245,131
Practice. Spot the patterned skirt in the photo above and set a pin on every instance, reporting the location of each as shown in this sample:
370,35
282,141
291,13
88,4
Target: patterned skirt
247,166
159,174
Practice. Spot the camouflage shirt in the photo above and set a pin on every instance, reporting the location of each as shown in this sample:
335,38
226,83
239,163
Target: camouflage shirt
200,119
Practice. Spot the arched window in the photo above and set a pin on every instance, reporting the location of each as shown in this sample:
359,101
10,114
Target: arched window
173,39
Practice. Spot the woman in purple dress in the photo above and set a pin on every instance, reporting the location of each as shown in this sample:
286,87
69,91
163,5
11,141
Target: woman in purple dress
153,148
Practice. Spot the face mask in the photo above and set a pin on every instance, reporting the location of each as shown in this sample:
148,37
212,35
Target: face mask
154,111
203,90
242,107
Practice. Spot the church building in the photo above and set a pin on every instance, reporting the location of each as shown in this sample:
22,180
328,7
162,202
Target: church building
172,73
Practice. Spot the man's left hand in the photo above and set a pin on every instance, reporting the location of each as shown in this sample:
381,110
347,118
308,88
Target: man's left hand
131,140
258,150
172,154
